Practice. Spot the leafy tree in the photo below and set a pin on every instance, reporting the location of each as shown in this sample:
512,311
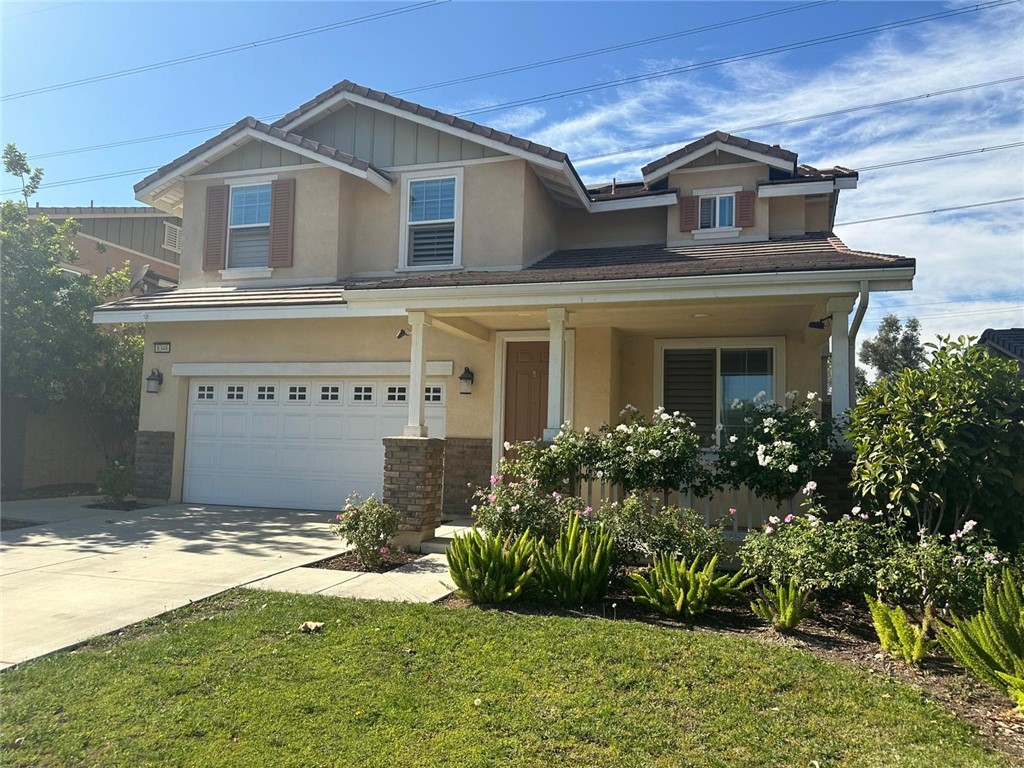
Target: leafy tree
895,348
50,350
945,444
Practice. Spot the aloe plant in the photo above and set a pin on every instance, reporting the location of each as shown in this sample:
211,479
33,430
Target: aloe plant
574,569
489,569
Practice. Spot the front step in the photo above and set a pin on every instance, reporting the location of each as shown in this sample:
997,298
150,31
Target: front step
436,546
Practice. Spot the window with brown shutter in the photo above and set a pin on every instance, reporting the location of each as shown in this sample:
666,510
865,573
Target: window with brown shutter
282,222
216,234
745,209
689,379
688,213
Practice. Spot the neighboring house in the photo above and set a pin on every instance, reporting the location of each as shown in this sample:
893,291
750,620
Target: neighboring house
56,446
1005,342
347,270
110,236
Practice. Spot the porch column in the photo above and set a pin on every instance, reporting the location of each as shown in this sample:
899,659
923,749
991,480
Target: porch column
417,375
842,366
556,370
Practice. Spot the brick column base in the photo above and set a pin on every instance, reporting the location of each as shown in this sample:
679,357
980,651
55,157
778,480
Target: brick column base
467,466
834,484
414,485
154,460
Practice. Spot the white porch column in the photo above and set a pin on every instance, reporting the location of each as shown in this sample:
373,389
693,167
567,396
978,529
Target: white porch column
842,365
556,370
417,375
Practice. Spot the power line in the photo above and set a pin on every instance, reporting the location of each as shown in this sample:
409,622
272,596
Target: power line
1005,297
934,210
612,48
944,156
733,59
817,116
971,313
225,51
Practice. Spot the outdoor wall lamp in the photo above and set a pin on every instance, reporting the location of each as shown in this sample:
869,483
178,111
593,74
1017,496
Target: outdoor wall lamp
466,381
154,380
401,334
821,324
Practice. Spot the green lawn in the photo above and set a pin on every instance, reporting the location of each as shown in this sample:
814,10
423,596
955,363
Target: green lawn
232,682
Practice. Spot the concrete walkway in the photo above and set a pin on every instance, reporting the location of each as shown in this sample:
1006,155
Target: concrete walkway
84,572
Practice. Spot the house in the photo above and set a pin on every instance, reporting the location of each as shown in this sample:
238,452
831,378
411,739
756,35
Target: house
56,445
109,236
378,295
1005,342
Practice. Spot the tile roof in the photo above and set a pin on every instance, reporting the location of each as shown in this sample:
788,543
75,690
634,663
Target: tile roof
219,298
251,122
624,191
725,138
808,253
347,86
1008,341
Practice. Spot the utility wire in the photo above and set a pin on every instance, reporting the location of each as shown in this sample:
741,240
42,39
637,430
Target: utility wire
224,51
612,48
934,210
805,118
733,59
971,313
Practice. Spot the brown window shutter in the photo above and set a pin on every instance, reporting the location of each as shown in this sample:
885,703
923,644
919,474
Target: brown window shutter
689,387
688,207
282,222
215,241
745,209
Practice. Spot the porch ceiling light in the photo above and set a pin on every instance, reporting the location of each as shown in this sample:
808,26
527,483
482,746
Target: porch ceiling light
822,324
153,381
466,381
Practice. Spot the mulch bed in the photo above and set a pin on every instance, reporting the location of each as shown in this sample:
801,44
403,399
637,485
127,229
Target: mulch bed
350,562
840,632
6,524
51,492
128,506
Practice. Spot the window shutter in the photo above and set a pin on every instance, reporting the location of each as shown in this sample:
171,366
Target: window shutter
688,213
690,387
216,237
282,222
745,209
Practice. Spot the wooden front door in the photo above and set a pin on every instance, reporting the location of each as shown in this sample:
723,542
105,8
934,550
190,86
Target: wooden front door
526,390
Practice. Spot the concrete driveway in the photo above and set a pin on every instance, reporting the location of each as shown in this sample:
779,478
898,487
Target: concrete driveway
84,572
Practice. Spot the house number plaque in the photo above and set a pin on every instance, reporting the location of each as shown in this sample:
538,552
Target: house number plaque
161,346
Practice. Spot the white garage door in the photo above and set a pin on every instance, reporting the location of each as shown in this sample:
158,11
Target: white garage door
295,444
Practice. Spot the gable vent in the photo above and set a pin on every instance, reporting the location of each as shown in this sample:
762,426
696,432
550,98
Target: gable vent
172,237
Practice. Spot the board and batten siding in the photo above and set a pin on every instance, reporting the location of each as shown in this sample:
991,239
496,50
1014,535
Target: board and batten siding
144,234
386,141
255,155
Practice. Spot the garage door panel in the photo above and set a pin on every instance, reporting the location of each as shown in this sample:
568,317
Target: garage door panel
303,453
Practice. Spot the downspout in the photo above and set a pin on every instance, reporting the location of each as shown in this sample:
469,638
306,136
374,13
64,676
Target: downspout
858,317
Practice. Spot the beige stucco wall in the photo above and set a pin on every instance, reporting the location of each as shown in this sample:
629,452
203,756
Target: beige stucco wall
579,229
746,177
817,214
787,216
493,206
540,219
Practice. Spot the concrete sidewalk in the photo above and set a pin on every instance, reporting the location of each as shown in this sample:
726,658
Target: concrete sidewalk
78,572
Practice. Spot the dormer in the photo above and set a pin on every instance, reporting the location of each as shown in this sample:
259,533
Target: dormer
732,189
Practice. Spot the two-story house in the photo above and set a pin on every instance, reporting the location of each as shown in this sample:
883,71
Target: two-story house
367,267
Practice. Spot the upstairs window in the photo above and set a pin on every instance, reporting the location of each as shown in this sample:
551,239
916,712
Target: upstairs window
431,226
249,226
717,212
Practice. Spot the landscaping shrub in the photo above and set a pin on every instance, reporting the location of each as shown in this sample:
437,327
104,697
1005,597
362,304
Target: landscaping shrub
990,645
681,589
573,570
116,481
785,606
489,569
897,635
368,525
945,572
512,507
778,451
557,465
945,444
840,557
642,526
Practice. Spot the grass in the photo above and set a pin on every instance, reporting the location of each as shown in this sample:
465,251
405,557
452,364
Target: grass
232,682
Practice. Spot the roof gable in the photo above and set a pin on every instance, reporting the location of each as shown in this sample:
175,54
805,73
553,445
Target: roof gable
718,141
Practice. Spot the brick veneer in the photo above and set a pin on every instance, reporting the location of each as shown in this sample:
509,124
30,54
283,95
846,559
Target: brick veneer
467,466
414,485
154,458
834,484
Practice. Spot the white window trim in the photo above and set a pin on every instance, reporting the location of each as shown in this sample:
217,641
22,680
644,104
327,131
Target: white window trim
244,273
403,235
718,343
717,229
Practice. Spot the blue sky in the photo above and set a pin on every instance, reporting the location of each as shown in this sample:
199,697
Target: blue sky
970,262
